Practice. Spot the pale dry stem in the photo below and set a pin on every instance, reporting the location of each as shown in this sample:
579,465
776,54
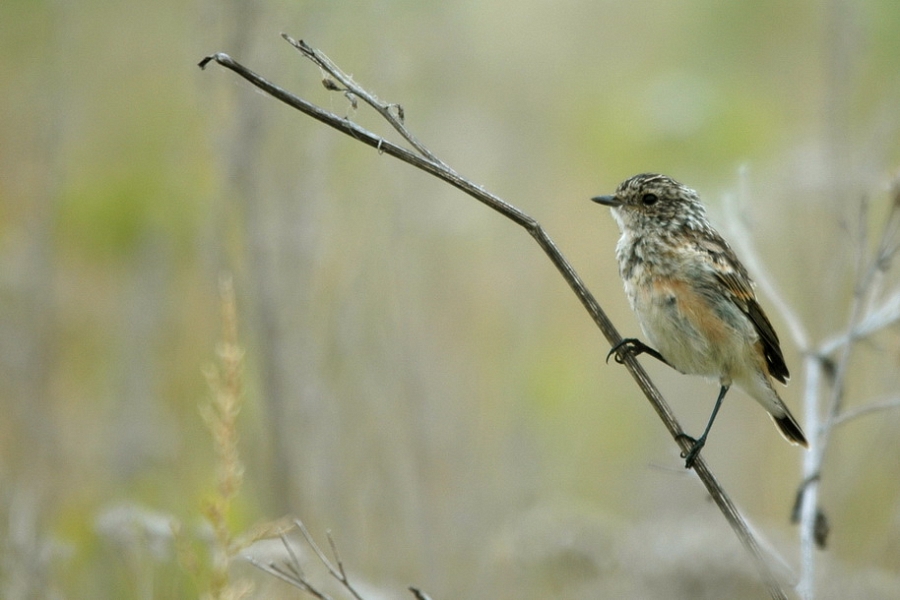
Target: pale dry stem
872,310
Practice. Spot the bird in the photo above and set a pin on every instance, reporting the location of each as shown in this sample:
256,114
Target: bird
694,299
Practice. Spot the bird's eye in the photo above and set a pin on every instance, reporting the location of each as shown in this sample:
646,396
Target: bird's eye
649,199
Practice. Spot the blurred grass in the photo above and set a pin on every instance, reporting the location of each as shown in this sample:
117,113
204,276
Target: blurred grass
418,378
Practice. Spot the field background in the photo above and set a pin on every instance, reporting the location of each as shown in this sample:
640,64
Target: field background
418,379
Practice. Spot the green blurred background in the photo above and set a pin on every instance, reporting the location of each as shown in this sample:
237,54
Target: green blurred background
419,379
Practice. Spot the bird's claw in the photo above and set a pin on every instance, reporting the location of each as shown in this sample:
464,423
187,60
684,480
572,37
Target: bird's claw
690,456
632,346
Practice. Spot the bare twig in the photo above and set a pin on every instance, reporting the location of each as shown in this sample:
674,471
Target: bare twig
294,563
862,323
867,317
870,314
881,317
419,594
291,572
425,160
338,573
735,205
350,87
866,409
290,578
809,490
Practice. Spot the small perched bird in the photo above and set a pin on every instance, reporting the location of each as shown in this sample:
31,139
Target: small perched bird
694,299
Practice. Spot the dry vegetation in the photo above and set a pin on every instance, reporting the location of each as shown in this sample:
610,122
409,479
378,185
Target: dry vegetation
410,373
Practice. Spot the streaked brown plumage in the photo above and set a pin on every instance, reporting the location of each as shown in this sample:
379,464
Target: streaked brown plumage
693,297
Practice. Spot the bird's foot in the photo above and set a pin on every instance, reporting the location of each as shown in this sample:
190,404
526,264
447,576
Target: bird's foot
634,347
690,456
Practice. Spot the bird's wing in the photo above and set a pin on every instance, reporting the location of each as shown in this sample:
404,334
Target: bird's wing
739,288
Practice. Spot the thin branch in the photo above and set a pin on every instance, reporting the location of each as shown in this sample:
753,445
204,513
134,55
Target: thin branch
352,88
866,409
340,564
338,573
862,322
885,315
858,321
424,160
734,207
292,573
869,315
419,594
812,462
298,582
294,563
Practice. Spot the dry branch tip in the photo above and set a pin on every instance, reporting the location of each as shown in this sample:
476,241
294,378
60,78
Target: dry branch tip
206,60
300,45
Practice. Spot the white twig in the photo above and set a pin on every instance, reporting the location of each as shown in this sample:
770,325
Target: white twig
291,572
812,461
869,315
882,317
866,409
863,321
338,573
735,222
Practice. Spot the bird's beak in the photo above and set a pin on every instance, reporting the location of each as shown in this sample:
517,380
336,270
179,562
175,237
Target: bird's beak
610,201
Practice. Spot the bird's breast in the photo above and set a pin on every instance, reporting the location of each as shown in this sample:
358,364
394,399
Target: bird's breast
680,321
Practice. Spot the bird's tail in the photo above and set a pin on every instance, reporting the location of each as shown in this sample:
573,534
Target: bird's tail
790,429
